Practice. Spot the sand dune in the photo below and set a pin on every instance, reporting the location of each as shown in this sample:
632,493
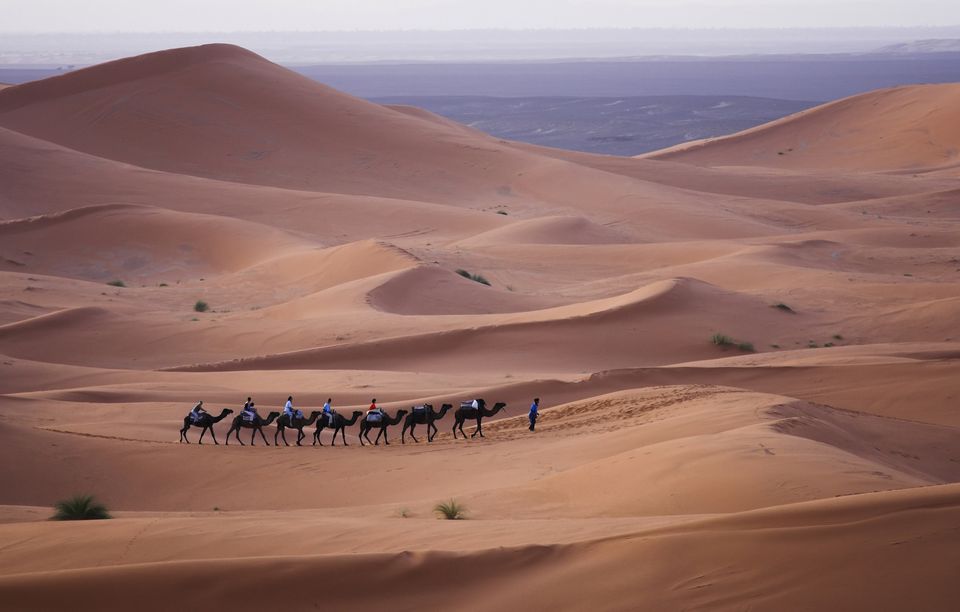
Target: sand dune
548,230
133,242
250,121
911,128
807,459
675,319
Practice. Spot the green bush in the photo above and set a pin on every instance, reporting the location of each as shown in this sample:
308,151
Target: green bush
117,283
450,510
201,306
80,508
783,307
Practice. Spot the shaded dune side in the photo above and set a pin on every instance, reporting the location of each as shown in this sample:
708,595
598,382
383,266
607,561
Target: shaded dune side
430,290
120,241
914,127
56,322
863,553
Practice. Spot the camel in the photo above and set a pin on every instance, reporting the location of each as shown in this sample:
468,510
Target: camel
385,421
338,423
257,425
206,422
284,422
427,417
466,411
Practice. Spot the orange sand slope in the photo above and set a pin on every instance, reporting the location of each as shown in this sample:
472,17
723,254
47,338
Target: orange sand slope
911,128
808,460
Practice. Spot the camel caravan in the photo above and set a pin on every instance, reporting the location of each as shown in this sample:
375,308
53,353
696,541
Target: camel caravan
376,418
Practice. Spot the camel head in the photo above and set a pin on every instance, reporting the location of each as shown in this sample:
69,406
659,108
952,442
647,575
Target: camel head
499,406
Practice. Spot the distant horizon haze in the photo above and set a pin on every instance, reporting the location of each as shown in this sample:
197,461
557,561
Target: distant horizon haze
101,16
477,45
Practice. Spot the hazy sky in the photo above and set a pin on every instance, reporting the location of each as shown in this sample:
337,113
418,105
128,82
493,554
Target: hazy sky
239,15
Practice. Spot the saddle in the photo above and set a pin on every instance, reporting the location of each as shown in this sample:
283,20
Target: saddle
374,417
467,405
249,417
195,418
298,414
419,409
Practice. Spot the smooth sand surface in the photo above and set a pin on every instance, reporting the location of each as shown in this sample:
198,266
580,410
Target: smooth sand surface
813,462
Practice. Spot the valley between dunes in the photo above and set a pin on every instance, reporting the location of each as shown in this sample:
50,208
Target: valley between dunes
812,463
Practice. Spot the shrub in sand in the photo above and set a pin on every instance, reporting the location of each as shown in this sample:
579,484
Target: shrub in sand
474,277
746,347
80,508
201,306
450,510
117,283
721,340
783,307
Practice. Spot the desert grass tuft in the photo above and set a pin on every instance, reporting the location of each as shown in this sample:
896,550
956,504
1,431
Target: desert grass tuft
474,277
450,510
80,508
721,339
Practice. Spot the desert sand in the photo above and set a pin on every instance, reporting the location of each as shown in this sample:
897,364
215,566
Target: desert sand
812,463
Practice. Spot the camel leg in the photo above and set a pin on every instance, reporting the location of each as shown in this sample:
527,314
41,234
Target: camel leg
431,431
385,440
213,435
379,433
316,437
183,435
462,432
253,437
202,432
300,436
265,441
343,435
454,430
